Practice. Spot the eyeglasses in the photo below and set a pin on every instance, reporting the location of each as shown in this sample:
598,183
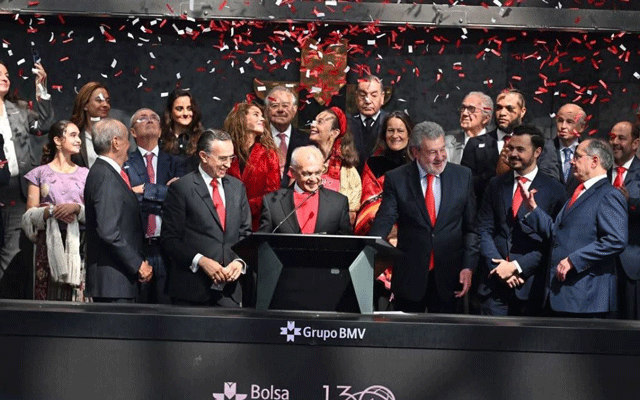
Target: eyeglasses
224,159
275,106
471,109
145,119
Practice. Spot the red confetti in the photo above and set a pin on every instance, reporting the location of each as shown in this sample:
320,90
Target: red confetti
224,3
63,59
33,3
170,9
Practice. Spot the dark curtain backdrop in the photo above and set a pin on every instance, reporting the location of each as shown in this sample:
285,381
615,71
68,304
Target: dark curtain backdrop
429,69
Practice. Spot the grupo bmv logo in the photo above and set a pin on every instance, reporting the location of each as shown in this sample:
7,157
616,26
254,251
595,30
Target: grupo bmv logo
229,393
291,331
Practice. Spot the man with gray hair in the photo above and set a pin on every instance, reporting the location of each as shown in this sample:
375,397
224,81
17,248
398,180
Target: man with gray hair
151,171
586,236
317,210
434,205
115,261
475,114
571,121
282,105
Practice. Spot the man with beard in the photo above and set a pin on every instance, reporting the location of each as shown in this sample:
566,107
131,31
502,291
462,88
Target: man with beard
625,174
433,203
484,154
511,270
571,121
281,104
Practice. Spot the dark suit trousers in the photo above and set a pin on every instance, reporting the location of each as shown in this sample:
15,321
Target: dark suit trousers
154,292
628,297
431,302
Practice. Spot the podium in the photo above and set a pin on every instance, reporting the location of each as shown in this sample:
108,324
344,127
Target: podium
315,272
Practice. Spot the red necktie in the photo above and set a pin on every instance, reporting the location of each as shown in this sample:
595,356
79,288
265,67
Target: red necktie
124,176
218,203
430,201
518,196
151,219
619,182
576,193
282,151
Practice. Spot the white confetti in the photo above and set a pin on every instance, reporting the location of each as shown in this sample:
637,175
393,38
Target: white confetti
636,75
164,94
140,85
371,42
135,21
333,3
51,38
178,76
410,49
21,61
216,98
261,88
152,55
114,63
90,39
79,76
242,70
316,89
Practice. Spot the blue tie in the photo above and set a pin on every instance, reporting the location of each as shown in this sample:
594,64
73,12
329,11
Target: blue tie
566,165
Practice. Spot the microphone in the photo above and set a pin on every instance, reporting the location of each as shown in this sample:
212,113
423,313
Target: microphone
296,209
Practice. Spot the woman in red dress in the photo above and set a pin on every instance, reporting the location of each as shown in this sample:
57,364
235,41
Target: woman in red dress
256,162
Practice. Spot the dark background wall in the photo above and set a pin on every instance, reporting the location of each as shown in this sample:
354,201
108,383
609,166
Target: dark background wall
143,61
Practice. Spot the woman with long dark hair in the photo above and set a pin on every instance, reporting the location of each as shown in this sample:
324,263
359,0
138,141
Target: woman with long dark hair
256,162
181,124
55,210
330,133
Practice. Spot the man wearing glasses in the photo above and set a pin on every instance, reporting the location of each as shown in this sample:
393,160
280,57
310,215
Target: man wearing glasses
317,210
586,236
282,105
486,155
151,171
475,114
204,214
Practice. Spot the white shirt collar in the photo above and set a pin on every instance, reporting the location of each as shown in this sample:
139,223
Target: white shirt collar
572,146
590,182
111,162
208,178
530,176
467,137
144,152
275,132
374,116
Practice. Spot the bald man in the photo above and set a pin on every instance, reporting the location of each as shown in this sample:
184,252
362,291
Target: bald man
571,121
318,210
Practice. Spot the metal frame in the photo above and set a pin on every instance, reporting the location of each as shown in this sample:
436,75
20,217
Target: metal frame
330,11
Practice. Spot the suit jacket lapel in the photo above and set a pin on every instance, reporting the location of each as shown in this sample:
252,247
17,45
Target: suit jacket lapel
415,188
446,189
162,171
287,205
633,171
136,163
203,193
583,197
323,209
506,195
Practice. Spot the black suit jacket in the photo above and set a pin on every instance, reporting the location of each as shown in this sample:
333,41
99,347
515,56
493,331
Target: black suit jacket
481,156
297,139
114,234
365,144
453,238
630,258
503,237
191,225
572,182
168,168
333,213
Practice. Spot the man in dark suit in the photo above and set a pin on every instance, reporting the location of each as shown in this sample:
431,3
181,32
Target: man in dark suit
433,203
476,111
204,214
571,121
115,260
587,236
514,257
151,171
484,154
282,105
318,210
366,125
625,176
